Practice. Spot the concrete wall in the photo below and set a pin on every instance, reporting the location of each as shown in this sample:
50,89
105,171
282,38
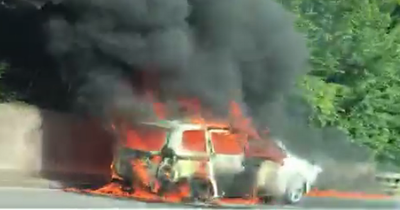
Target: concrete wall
52,145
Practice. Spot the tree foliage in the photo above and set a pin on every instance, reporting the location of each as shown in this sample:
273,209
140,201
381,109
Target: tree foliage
354,82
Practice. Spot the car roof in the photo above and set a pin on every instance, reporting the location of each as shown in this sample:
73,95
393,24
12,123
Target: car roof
169,124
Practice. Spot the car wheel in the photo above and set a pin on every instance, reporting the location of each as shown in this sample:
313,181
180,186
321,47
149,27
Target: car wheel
201,189
295,192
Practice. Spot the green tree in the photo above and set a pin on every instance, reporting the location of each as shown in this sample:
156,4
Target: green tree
355,82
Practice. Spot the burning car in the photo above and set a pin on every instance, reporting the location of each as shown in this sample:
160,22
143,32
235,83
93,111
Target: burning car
210,161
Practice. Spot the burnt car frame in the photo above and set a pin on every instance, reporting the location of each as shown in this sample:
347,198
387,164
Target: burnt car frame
216,161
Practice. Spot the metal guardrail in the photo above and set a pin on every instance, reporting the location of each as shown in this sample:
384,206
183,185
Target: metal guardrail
390,183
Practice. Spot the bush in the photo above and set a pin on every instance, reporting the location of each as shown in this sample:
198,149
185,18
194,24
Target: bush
355,82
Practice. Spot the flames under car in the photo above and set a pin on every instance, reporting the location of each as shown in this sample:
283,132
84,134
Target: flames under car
205,162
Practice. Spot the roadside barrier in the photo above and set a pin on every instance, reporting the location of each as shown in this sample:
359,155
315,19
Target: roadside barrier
390,183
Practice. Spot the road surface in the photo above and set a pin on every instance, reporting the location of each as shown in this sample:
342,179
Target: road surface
23,197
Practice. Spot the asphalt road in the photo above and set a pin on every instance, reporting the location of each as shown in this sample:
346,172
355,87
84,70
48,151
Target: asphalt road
22,197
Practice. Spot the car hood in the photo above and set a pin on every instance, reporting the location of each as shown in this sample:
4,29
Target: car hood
266,150
302,166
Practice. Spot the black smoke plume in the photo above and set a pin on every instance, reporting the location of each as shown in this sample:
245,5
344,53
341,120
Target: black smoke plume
215,51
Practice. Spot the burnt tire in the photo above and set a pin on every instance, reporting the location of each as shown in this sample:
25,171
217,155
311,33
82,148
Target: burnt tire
295,191
201,189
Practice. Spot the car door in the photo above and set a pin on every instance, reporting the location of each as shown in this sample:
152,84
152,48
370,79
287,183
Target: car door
192,153
226,158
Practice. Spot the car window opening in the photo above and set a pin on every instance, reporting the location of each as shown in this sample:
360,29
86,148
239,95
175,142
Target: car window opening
146,138
226,143
194,140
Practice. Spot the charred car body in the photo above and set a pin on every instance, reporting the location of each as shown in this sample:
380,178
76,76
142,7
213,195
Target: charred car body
213,160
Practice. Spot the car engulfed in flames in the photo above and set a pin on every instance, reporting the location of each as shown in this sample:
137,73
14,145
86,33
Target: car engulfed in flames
195,160
191,161
208,160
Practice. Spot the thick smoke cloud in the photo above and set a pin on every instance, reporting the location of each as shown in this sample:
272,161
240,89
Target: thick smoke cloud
215,51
